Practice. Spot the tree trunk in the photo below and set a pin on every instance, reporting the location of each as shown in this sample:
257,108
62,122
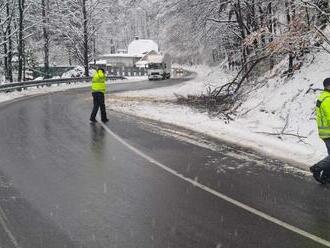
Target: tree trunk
5,51
289,18
290,70
20,48
10,45
7,45
94,46
24,63
240,19
270,20
272,29
85,38
45,20
69,56
308,18
238,12
293,8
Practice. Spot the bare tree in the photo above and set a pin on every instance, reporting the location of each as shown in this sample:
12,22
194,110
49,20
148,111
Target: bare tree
45,19
20,47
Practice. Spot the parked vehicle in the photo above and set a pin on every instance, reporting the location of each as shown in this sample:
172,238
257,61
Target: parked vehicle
179,71
159,66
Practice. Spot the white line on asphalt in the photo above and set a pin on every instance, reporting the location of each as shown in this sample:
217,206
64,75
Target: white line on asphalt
220,195
3,223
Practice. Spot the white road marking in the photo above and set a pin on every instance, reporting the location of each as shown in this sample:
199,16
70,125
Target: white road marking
3,224
220,195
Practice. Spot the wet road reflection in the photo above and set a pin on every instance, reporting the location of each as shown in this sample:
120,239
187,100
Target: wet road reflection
75,184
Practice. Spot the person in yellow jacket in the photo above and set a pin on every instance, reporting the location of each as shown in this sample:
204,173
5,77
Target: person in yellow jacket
321,170
98,91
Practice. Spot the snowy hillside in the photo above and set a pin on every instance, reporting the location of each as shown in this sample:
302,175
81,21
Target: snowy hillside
287,106
277,118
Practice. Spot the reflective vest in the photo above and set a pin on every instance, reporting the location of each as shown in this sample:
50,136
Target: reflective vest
98,82
323,114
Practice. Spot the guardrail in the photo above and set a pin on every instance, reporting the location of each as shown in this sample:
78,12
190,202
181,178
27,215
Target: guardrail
9,87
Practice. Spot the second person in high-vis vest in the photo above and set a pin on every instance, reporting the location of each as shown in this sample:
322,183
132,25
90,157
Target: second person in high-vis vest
321,170
99,88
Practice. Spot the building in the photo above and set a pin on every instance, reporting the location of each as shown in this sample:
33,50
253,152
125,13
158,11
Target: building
118,60
143,62
136,51
121,51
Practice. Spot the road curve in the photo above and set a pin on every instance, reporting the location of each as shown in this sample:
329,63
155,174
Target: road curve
66,183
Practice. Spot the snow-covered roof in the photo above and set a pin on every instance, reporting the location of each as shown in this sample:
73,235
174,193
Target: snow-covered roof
142,46
155,58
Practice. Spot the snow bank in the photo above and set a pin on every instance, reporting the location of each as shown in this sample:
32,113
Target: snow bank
277,105
55,88
206,77
78,71
284,106
2,78
38,91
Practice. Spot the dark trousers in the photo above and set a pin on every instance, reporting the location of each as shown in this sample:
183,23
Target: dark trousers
98,101
324,165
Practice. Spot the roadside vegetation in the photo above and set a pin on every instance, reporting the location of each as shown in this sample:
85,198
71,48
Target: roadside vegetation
248,38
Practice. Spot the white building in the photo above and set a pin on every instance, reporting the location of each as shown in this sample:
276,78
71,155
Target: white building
118,60
143,62
136,51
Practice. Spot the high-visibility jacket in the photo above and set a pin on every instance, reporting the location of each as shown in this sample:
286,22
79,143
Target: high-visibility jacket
323,114
98,82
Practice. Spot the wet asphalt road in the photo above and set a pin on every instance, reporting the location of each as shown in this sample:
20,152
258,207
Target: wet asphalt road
66,183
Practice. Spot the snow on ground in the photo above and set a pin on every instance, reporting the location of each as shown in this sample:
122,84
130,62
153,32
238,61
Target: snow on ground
78,71
280,106
206,77
54,88
2,78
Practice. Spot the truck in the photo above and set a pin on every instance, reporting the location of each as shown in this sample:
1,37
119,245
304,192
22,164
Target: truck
159,67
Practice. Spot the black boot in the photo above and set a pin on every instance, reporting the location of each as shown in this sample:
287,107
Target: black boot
317,174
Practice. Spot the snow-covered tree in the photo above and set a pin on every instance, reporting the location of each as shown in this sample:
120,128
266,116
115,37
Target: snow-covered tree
77,23
194,31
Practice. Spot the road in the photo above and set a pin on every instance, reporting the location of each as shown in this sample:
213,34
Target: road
67,183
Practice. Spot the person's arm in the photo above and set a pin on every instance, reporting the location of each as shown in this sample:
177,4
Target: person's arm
325,108
93,78
104,76
104,79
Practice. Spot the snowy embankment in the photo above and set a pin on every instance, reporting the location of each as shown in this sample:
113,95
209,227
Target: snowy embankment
55,88
277,118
